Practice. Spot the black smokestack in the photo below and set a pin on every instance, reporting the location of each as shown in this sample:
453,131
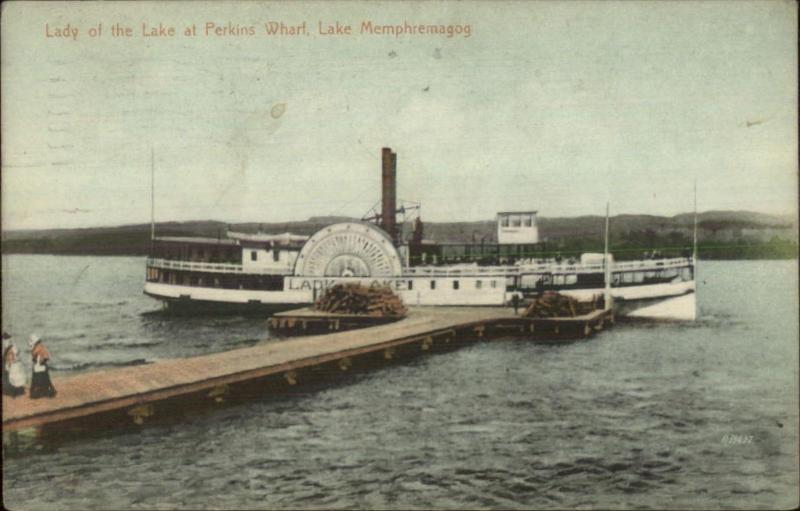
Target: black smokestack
389,195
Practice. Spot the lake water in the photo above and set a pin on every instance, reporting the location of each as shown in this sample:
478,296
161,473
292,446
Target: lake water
701,415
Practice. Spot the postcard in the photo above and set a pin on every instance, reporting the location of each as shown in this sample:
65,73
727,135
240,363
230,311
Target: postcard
400,254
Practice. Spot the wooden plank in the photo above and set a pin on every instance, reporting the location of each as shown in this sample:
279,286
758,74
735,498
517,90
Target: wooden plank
122,388
126,387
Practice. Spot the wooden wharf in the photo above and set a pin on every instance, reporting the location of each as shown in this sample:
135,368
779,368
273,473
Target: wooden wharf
308,321
138,392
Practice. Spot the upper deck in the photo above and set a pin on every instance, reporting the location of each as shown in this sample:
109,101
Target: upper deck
473,270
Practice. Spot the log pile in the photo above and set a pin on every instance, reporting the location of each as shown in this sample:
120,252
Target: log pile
555,305
357,299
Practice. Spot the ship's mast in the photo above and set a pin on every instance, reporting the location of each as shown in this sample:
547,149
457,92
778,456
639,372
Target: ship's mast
152,198
694,235
694,248
607,264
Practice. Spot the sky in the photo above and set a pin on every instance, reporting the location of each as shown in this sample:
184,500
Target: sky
554,106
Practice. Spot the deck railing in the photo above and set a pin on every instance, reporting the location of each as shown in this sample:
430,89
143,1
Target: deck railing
652,264
199,266
623,266
545,267
445,271
471,271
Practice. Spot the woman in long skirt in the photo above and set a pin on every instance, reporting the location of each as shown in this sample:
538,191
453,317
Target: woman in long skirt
13,372
41,386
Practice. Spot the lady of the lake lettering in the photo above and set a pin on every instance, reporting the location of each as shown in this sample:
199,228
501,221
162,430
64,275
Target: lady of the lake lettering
333,28
67,31
159,30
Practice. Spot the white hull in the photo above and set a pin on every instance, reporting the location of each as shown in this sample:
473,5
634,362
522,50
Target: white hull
682,308
633,293
675,300
662,301
226,296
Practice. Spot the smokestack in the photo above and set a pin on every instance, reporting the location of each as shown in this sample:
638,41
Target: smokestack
389,189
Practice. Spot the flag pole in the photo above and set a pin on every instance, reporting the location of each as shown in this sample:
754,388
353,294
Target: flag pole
607,264
694,247
694,234
152,199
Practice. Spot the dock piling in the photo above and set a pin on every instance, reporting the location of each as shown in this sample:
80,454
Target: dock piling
219,393
141,412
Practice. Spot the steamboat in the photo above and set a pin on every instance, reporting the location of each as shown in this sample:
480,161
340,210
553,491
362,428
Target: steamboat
272,272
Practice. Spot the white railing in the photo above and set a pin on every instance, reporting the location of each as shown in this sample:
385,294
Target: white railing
652,264
446,271
640,265
170,264
546,267
472,271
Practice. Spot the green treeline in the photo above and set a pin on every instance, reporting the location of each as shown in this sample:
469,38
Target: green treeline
721,235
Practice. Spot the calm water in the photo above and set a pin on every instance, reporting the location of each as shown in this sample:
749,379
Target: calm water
641,416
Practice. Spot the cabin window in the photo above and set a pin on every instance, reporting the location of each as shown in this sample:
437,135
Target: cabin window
478,284
515,221
455,284
410,285
504,221
433,284
276,255
253,255
493,283
526,221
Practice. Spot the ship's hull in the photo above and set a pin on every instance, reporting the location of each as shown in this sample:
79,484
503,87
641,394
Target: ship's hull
680,308
194,307
673,300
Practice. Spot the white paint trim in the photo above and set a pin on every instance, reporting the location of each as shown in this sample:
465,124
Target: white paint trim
678,308
642,292
210,294
300,290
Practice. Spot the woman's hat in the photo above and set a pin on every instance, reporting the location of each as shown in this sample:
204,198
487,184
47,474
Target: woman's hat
32,340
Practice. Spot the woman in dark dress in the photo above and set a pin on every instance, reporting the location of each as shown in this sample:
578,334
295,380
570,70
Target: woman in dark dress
41,386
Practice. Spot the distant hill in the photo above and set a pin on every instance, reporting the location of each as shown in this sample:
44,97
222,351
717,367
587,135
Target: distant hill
722,234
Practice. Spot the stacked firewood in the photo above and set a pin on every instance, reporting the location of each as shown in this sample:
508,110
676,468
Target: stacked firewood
357,299
555,305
